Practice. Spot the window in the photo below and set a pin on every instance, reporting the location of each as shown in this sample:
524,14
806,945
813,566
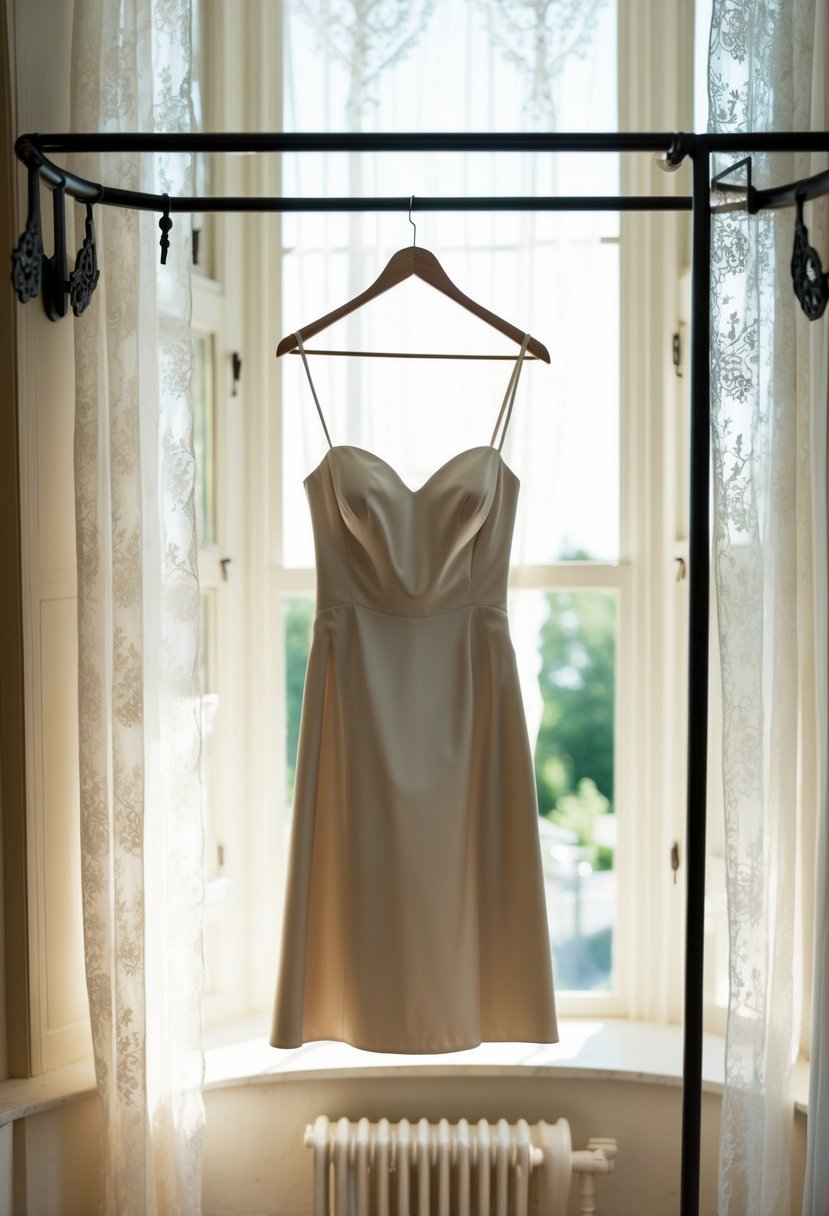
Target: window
593,599
567,578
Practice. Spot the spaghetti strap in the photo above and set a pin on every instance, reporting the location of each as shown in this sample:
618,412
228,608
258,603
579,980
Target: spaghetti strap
313,390
509,396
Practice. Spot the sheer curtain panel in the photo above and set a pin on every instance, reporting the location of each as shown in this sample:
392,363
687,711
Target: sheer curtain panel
138,601
768,402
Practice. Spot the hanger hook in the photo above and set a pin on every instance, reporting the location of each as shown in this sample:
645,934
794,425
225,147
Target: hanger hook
411,221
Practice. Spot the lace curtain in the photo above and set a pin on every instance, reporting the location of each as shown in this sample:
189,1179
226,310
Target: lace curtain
138,600
768,403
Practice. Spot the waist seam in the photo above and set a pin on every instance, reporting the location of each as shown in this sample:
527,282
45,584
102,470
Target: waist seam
409,616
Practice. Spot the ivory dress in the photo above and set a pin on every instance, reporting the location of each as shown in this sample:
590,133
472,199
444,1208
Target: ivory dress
415,917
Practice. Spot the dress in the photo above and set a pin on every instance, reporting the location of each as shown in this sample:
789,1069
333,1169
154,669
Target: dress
415,918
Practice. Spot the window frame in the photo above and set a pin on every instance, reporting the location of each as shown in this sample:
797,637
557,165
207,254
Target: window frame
217,291
649,941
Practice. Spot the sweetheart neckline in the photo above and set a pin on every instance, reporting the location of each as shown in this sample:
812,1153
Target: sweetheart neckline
353,447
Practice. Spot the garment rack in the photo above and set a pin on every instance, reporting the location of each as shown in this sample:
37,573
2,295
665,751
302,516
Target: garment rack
671,149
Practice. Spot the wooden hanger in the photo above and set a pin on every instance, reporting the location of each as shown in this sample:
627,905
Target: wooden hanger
414,260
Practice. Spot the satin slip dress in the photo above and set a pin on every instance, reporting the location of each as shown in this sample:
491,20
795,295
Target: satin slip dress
414,916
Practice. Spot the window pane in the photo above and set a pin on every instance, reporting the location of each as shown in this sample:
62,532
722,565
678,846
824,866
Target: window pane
297,616
556,274
563,438
715,975
512,66
208,643
566,646
204,439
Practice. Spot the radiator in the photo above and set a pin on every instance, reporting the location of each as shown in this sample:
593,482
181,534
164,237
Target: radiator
451,1169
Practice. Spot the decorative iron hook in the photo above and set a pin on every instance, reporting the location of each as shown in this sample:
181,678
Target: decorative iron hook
411,221
165,224
55,282
811,284
84,278
27,256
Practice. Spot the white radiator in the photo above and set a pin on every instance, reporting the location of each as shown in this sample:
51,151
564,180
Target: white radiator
451,1169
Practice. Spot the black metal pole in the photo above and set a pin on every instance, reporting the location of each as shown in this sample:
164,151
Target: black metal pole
786,196
697,684
676,145
597,202
348,141
30,149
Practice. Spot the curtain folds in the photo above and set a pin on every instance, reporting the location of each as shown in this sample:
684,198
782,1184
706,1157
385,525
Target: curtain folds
138,602
768,403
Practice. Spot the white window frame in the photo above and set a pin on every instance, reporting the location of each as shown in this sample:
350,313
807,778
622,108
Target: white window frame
651,662
223,564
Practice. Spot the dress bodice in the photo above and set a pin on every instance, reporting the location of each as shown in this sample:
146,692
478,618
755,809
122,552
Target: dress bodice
419,552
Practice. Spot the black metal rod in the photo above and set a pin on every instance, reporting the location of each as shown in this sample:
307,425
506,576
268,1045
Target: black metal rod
28,148
697,740
772,197
784,196
32,148
639,202
676,144
347,141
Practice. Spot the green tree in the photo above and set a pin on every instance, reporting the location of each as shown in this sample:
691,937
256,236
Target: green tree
299,614
577,681
579,813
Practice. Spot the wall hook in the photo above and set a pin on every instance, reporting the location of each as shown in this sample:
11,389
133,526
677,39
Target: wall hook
411,221
165,224
84,278
27,256
811,285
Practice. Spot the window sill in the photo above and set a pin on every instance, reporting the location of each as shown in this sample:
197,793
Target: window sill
238,1054
32,1095
599,1049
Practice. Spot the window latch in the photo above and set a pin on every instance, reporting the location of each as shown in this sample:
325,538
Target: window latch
676,353
236,366
675,858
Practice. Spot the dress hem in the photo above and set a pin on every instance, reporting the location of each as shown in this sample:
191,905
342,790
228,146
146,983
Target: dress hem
414,1051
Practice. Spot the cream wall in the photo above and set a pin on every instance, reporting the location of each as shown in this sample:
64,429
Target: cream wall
256,1163
49,1162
